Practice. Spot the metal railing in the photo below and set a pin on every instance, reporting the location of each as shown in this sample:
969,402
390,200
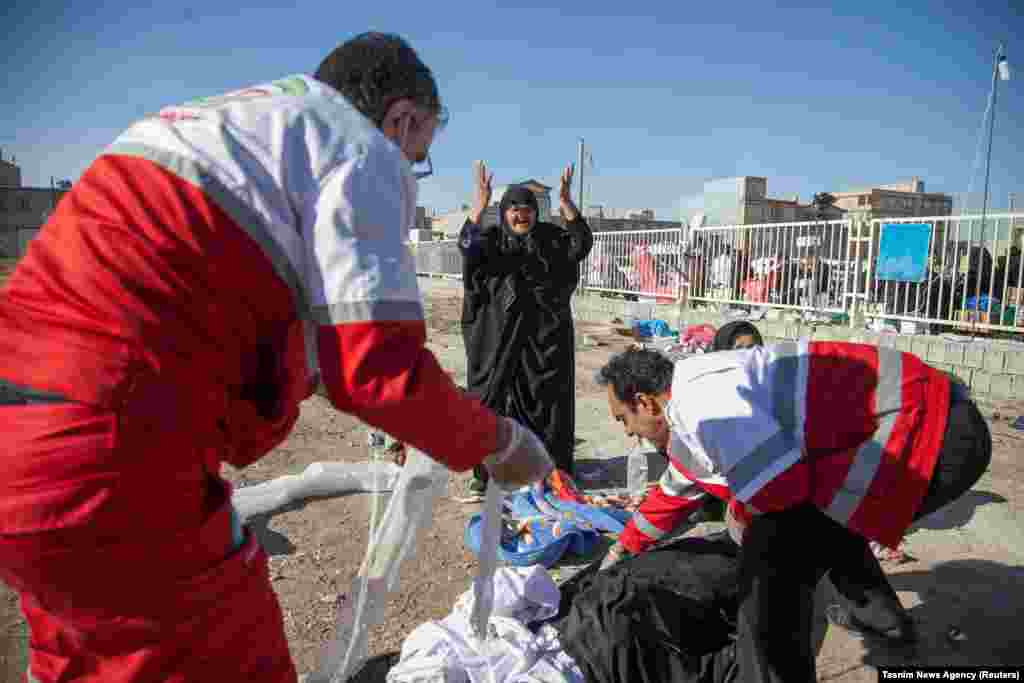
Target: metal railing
648,263
805,266
439,258
973,277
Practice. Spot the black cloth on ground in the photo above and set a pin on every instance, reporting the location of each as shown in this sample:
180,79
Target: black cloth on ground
664,615
517,323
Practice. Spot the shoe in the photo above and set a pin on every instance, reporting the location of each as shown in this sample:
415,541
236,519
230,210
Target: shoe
904,635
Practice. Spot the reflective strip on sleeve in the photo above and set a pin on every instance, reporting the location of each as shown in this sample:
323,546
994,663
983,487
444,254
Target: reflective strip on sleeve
888,403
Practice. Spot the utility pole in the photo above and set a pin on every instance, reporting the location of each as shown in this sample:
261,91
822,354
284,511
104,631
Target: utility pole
999,69
580,194
1013,221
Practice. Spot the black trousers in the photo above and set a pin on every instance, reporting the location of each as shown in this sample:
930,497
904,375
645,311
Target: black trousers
786,554
564,459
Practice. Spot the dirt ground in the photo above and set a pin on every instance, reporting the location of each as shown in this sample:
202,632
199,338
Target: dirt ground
316,546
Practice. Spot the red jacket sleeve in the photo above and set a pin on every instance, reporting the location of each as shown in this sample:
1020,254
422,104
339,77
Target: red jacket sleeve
382,373
666,506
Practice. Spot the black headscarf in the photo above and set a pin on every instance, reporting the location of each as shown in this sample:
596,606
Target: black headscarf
727,333
517,194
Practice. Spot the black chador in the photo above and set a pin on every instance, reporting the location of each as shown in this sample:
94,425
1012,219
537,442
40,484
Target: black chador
517,321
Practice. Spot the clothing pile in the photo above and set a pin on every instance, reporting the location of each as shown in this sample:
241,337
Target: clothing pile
539,526
448,649
666,614
695,339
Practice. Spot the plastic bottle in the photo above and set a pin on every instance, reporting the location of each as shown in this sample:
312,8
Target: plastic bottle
636,470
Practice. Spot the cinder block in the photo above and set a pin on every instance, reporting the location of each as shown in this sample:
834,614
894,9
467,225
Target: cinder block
981,382
1002,386
954,353
904,342
794,331
843,333
823,333
974,356
1015,363
935,351
772,328
919,346
995,361
887,340
869,337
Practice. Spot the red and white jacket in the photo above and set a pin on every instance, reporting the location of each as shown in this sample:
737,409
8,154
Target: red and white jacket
852,428
234,242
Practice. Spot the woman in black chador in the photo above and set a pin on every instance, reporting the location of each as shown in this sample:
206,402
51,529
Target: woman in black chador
519,277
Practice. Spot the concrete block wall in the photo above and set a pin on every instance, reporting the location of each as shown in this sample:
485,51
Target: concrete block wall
994,371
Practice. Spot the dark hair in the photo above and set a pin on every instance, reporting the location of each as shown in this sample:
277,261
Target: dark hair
636,371
373,70
727,333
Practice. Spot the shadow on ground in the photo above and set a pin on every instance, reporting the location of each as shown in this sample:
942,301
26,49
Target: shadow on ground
979,600
274,542
958,513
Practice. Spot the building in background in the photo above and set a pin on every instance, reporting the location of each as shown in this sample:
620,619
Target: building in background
23,210
894,201
744,200
603,219
10,172
423,229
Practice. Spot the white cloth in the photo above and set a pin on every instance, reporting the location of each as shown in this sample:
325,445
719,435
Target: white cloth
447,651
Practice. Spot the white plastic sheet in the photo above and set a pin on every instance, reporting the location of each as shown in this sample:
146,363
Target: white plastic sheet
319,479
392,541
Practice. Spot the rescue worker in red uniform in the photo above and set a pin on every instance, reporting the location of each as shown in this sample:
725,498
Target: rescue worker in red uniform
183,299
817,448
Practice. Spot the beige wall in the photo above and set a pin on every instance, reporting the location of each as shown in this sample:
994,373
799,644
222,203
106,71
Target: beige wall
21,215
886,203
10,175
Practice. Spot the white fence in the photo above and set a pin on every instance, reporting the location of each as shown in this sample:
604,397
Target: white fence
973,277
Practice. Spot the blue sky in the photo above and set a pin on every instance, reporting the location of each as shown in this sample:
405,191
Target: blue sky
666,95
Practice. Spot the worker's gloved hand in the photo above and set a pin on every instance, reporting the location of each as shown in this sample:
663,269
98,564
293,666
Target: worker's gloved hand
615,553
522,458
734,521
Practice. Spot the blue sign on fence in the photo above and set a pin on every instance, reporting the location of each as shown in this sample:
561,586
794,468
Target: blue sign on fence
903,252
